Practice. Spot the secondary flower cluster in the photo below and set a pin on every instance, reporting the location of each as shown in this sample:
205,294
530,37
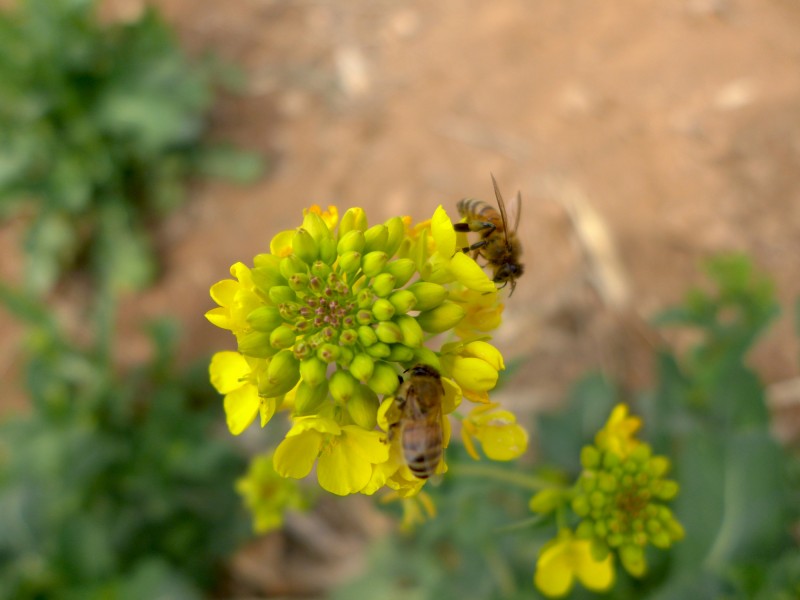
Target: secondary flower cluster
328,321
619,500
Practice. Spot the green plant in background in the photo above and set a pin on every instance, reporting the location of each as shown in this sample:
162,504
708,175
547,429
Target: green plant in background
100,125
114,486
736,505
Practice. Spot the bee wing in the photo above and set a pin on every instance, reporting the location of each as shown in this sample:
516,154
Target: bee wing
502,206
516,210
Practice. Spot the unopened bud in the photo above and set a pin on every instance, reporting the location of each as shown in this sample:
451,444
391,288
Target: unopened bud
373,263
396,230
363,407
379,350
292,264
308,399
353,218
362,367
384,379
429,295
376,238
264,318
281,376
282,293
403,301
350,261
305,246
383,284
389,332
367,335
402,269
442,318
255,344
313,371
282,337
353,241
382,309
342,385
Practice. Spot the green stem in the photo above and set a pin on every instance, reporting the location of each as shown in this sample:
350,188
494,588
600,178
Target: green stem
528,482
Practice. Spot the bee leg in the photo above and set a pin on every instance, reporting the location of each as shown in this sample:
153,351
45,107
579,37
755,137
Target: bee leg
484,227
474,248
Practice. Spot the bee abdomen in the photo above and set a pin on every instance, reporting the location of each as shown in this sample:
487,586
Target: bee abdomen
472,207
422,449
424,464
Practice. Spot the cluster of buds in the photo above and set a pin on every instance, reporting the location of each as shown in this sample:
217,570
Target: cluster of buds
327,322
619,500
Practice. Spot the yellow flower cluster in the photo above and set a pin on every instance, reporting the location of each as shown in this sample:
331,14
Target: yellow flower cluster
327,323
619,501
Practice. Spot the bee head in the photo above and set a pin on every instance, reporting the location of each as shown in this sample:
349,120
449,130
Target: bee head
423,370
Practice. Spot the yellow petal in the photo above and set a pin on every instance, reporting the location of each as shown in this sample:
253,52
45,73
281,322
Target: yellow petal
594,575
443,233
452,395
241,408
371,444
227,371
466,437
503,442
281,244
474,373
469,273
224,291
295,455
221,317
343,469
485,351
267,408
554,576
319,424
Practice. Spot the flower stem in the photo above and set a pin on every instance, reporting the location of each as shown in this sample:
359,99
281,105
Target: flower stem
527,482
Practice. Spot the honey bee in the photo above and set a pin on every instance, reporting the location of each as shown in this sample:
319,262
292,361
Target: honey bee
419,405
499,246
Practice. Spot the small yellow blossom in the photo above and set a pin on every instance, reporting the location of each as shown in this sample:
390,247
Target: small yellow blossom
346,453
566,558
483,312
330,217
267,495
473,366
234,376
236,299
497,431
617,435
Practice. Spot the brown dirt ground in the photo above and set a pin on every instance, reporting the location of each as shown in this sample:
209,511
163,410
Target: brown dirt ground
669,130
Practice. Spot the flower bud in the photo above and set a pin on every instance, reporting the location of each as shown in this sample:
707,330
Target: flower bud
327,250
379,350
308,399
383,284
328,352
362,367
365,298
546,501
267,261
313,371
384,379
396,230
413,335
349,261
580,505
292,264
282,375
353,218
345,356
429,295
305,246
264,318
281,293
402,269
364,317
400,353
442,318
426,356
282,337
255,344
376,238
590,457
389,332
315,225
299,282
342,385
367,335
363,407
348,337
353,241
373,263
382,309
301,351
403,301
265,278
320,269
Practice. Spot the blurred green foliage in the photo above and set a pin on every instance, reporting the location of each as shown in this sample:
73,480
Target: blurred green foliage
114,486
100,125
739,488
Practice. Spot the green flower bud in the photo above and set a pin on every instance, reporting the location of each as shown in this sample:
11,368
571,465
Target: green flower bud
292,264
376,238
305,246
308,399
353,218
320,269
379,350
328,352
403,301
402,269
590,457
373,263
349,262
384,379
667,490
615,540
362,367
313,371
389,332
255,344
365,298
400,353
282,337
364,317
588,483
382,309
413,335
363,407
353,241
301,351
345,356
315,225
342,385
641,453
610,460
657,466
282,375
327,250
546,501
427,356
264,318
442,318
299,282
396,232
607,483
580,505
584,530
600,529
265,278
599,550
661,540
632,558
281,293
429,295
348,337
383,284
367,335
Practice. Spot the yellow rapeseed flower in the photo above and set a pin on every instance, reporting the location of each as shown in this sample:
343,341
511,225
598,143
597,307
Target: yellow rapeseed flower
566,558
267,495
497,430
618,434
234,376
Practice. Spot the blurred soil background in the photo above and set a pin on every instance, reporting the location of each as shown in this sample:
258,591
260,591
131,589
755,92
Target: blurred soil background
644,137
